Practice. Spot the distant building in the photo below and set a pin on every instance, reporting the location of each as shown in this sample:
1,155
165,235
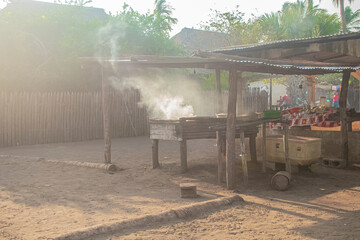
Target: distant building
193,39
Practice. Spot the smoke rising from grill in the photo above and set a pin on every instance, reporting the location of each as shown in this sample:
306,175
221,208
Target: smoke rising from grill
164,98
167,94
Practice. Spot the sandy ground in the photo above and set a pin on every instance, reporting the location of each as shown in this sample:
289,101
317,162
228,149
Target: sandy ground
40,200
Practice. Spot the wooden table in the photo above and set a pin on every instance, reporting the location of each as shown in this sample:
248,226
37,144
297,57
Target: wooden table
184,129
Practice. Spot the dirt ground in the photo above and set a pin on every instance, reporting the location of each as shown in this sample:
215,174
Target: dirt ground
42,200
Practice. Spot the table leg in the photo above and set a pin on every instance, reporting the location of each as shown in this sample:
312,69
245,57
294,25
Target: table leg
252,141
243,159
264,147
183,156
219,143
155,153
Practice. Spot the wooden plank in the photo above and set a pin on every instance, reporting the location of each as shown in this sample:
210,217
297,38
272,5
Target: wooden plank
155,153
183,156
230,130
343,117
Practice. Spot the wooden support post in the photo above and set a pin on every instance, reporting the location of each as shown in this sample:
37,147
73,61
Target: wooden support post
239,100
252,143
183,156
264,147
219,144
230,130
286,146
350,127
357,76
310,86
219,94
243,159
313,90
271,92
343,117
155,153
106,112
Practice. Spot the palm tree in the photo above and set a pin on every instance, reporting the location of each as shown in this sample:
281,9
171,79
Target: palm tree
352,19
163,12
341,4
272,27
299,19
342,12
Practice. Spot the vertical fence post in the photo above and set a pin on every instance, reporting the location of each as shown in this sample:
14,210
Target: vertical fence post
106,112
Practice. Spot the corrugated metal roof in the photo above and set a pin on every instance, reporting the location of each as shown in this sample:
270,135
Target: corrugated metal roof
290,42
223,61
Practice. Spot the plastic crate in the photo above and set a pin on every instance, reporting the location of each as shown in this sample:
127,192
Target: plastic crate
272,114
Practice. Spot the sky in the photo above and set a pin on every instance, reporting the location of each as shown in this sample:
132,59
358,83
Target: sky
190,13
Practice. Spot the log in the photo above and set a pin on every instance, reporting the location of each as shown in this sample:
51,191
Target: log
155,153
230,130
343,117
107,167
281,181
183,156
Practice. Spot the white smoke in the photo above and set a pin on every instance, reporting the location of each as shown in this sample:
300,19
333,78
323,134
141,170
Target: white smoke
158,96
165,95
173,107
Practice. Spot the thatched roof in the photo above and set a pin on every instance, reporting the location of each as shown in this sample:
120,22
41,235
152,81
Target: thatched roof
193,39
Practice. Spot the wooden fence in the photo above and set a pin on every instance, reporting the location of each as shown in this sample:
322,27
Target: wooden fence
253,100
37,118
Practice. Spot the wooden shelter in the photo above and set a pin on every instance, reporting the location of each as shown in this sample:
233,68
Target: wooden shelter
340,50
314,56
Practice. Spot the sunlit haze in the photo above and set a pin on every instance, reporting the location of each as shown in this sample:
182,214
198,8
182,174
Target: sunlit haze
191,13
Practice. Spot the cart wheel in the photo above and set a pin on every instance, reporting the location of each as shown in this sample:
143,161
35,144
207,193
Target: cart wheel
280,181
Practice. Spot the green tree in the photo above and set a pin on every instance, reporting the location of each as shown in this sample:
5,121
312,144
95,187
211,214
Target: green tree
341,4
238,30
40,50
163,15
298,19
352,19
130,32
